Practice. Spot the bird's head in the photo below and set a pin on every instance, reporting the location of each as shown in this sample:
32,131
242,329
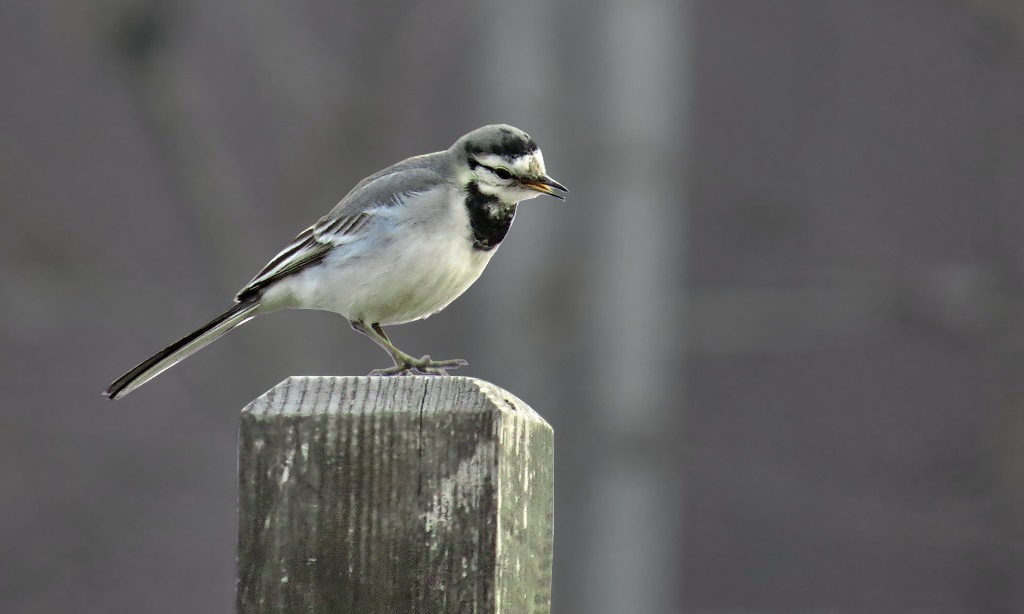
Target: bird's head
504,162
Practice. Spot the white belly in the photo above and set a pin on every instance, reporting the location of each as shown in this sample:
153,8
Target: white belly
411,265
412,281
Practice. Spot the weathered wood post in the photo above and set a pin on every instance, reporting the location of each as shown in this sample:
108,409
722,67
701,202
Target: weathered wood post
393,495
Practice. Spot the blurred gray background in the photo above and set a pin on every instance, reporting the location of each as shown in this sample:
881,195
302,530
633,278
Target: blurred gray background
778,327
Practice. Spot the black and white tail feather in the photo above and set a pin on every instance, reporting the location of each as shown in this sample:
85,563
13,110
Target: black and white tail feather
307,249
183,348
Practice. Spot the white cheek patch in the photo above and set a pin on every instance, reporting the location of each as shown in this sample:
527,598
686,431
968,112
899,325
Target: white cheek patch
487,188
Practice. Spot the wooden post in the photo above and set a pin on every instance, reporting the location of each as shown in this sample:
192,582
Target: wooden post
393,495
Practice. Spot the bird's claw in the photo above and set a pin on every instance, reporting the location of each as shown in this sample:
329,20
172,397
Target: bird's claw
422,366
427,366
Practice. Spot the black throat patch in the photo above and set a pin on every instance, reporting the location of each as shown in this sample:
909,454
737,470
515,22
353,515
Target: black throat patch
489,219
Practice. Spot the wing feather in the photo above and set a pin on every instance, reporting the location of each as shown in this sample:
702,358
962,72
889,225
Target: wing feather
352,216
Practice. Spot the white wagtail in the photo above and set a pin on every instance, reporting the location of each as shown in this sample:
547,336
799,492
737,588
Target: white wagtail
402,245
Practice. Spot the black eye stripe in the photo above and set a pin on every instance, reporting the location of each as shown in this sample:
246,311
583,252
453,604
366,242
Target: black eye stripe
502,173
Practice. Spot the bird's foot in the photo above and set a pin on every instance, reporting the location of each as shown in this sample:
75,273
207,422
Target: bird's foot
427,366
422,366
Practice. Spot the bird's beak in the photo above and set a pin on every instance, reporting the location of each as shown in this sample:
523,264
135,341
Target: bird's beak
546,185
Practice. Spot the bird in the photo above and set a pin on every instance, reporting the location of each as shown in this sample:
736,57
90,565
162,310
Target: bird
400,246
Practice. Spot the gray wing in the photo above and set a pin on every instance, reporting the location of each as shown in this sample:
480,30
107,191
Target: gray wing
388,188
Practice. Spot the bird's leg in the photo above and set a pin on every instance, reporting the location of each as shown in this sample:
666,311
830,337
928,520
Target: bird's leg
424,365
404,363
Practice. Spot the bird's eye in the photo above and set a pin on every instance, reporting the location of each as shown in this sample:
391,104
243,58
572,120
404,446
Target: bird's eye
503,173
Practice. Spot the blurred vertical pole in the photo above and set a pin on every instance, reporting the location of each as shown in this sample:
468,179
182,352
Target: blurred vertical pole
637,366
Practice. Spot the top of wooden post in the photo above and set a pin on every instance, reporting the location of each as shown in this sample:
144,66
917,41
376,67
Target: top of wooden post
310,395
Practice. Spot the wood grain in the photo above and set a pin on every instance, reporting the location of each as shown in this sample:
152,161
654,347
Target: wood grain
393,495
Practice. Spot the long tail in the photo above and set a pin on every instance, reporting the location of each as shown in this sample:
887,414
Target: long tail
182,348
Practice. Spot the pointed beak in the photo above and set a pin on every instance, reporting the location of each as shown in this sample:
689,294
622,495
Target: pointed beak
546,185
